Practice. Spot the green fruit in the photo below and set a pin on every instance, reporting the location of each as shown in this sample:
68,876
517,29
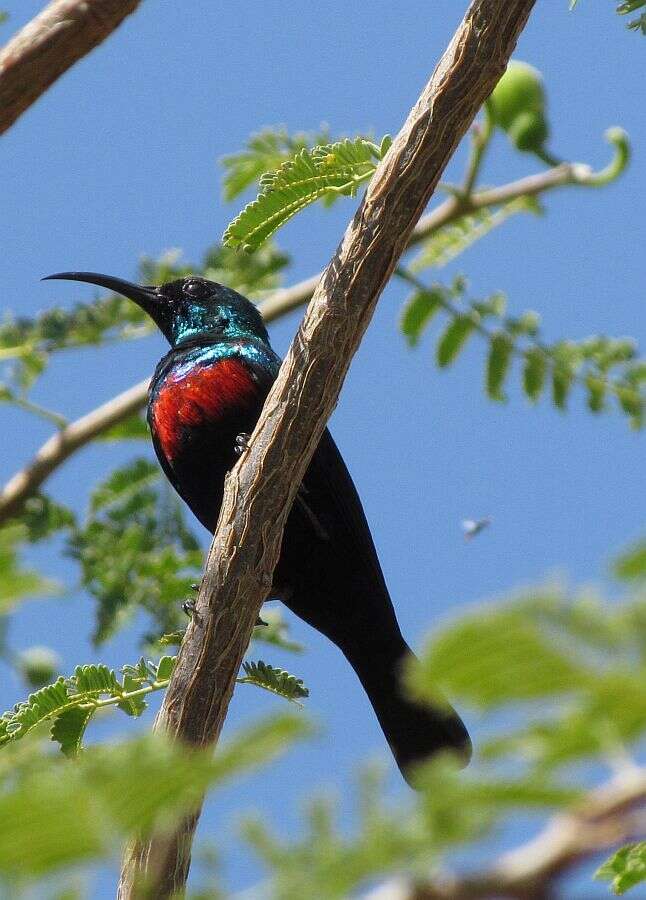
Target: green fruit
517,105
520,90
528,131
38,665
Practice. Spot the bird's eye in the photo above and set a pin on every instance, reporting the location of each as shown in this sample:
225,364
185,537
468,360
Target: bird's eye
220,321
195,288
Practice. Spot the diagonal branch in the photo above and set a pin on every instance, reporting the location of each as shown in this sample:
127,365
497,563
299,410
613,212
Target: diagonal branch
64,32
606,817
63,443
261,488
55,451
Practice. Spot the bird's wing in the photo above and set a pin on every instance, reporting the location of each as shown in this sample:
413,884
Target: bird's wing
331,497
161,456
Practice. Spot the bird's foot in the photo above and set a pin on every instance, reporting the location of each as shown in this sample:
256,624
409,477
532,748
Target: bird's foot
189,607
242,443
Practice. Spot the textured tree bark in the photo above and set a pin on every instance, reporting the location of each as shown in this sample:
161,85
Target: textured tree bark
49,45
262,486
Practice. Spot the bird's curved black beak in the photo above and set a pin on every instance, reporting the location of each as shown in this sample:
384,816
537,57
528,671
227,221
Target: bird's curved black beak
145,296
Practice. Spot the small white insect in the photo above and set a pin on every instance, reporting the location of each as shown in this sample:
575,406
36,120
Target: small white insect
471,527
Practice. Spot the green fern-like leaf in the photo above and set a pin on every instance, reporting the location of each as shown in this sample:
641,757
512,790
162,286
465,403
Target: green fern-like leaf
337,168
264,152
71,702
277,681
39,707
457,236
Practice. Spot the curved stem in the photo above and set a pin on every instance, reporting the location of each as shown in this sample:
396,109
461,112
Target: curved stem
619,140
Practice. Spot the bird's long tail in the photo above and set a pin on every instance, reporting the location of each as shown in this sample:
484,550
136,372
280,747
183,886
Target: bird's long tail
414,731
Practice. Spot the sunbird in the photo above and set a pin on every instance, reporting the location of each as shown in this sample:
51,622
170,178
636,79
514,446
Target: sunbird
205,398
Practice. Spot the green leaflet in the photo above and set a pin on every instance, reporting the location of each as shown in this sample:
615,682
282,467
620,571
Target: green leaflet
132,429
329,169
16,582
500,352
277,681
630,6
626,868
69,728
584,656
534,372
449,808
454,338
504,657
418,313
631,565
56,814
124,482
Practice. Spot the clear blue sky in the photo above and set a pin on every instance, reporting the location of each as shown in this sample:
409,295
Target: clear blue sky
119,159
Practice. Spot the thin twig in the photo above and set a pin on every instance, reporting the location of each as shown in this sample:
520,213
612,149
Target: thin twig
64,32
61,445
59,448
260,489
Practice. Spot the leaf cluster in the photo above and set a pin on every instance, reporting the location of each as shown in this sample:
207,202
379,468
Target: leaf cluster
582,660
626,8
56,814
69,704
327,170
135,550
605,367
570,669
626,868
389,839
16,581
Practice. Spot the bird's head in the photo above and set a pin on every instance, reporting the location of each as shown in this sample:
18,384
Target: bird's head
187,308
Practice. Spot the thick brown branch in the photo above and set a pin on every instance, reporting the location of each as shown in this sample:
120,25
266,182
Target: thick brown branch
604,819
57,449
262,486
49,45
